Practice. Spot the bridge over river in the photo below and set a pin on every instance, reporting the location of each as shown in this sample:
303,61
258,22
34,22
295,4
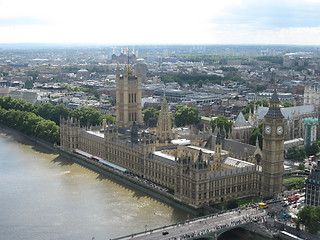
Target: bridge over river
209,227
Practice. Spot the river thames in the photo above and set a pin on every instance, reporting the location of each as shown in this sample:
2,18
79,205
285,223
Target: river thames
44,196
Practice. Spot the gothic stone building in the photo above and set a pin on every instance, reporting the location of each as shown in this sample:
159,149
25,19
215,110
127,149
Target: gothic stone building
212,171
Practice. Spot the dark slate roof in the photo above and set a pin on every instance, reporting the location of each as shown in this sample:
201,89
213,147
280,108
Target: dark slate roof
237,149
314,177
274,112
288,112
274,97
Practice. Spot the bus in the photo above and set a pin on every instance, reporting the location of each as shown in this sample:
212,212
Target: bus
262,205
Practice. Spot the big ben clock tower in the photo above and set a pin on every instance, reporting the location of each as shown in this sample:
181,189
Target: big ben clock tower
273,149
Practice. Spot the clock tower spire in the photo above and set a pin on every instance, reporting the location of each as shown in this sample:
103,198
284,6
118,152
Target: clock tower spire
273,149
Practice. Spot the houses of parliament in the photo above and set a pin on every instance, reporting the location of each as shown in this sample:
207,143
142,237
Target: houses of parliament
209,169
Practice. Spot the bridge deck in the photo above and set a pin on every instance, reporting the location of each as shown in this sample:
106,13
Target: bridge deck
214,224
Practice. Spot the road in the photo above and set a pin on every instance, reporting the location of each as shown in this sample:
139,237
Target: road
207,224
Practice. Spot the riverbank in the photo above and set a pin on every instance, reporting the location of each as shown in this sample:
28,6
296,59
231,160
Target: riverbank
42,146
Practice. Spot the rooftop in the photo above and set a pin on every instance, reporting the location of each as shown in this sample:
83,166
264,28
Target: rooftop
236,162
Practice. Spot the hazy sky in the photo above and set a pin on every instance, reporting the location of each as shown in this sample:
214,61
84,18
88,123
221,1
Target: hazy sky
160,22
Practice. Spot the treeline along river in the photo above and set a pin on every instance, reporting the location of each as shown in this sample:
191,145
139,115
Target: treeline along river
44,196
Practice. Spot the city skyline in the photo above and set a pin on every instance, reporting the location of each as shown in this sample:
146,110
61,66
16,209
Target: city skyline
166,22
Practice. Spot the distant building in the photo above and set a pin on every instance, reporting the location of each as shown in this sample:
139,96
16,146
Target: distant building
124,59
311,125
313,188
312,94
141,69
83,73
299,59
30,96
283,97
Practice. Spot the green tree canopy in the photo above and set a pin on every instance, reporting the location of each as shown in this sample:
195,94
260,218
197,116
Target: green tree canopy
150,113
287,104
232,203
260,88
250,106
28,84
186,115
264,102
256,133
296,153
87,116
42,120
309,217
312,150
222,123
30,124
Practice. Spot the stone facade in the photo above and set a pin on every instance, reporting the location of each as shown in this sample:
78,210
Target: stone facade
195,175
212,170
273,149
164,127
128,98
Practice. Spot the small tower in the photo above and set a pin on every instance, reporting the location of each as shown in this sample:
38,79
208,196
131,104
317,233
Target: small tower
69,134
134,133
218,148
164,130
128,98
273,149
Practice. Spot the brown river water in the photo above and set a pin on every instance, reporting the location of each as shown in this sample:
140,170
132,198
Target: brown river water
44,196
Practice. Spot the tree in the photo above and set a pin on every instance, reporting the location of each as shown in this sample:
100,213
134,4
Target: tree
296,153
287,104
264,102
309,217
28,84
222,123
301,166
186,115
30,124
232,203
260,88
250,106
313,149
87,116
256,133
150,113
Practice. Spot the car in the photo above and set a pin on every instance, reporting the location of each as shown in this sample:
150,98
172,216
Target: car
165,233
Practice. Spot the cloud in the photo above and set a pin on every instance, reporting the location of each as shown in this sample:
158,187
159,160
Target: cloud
271,14
164,22
19,21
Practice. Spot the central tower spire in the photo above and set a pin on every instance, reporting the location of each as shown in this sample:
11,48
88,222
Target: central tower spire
128,98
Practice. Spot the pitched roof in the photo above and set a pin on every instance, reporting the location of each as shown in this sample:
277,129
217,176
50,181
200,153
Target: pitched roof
236,162
288,112
240,121
237,149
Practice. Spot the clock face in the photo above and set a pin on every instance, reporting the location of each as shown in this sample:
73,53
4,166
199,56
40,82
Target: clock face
267,129
279,130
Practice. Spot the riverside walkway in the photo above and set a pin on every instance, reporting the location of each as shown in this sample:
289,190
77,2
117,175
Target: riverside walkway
212,225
